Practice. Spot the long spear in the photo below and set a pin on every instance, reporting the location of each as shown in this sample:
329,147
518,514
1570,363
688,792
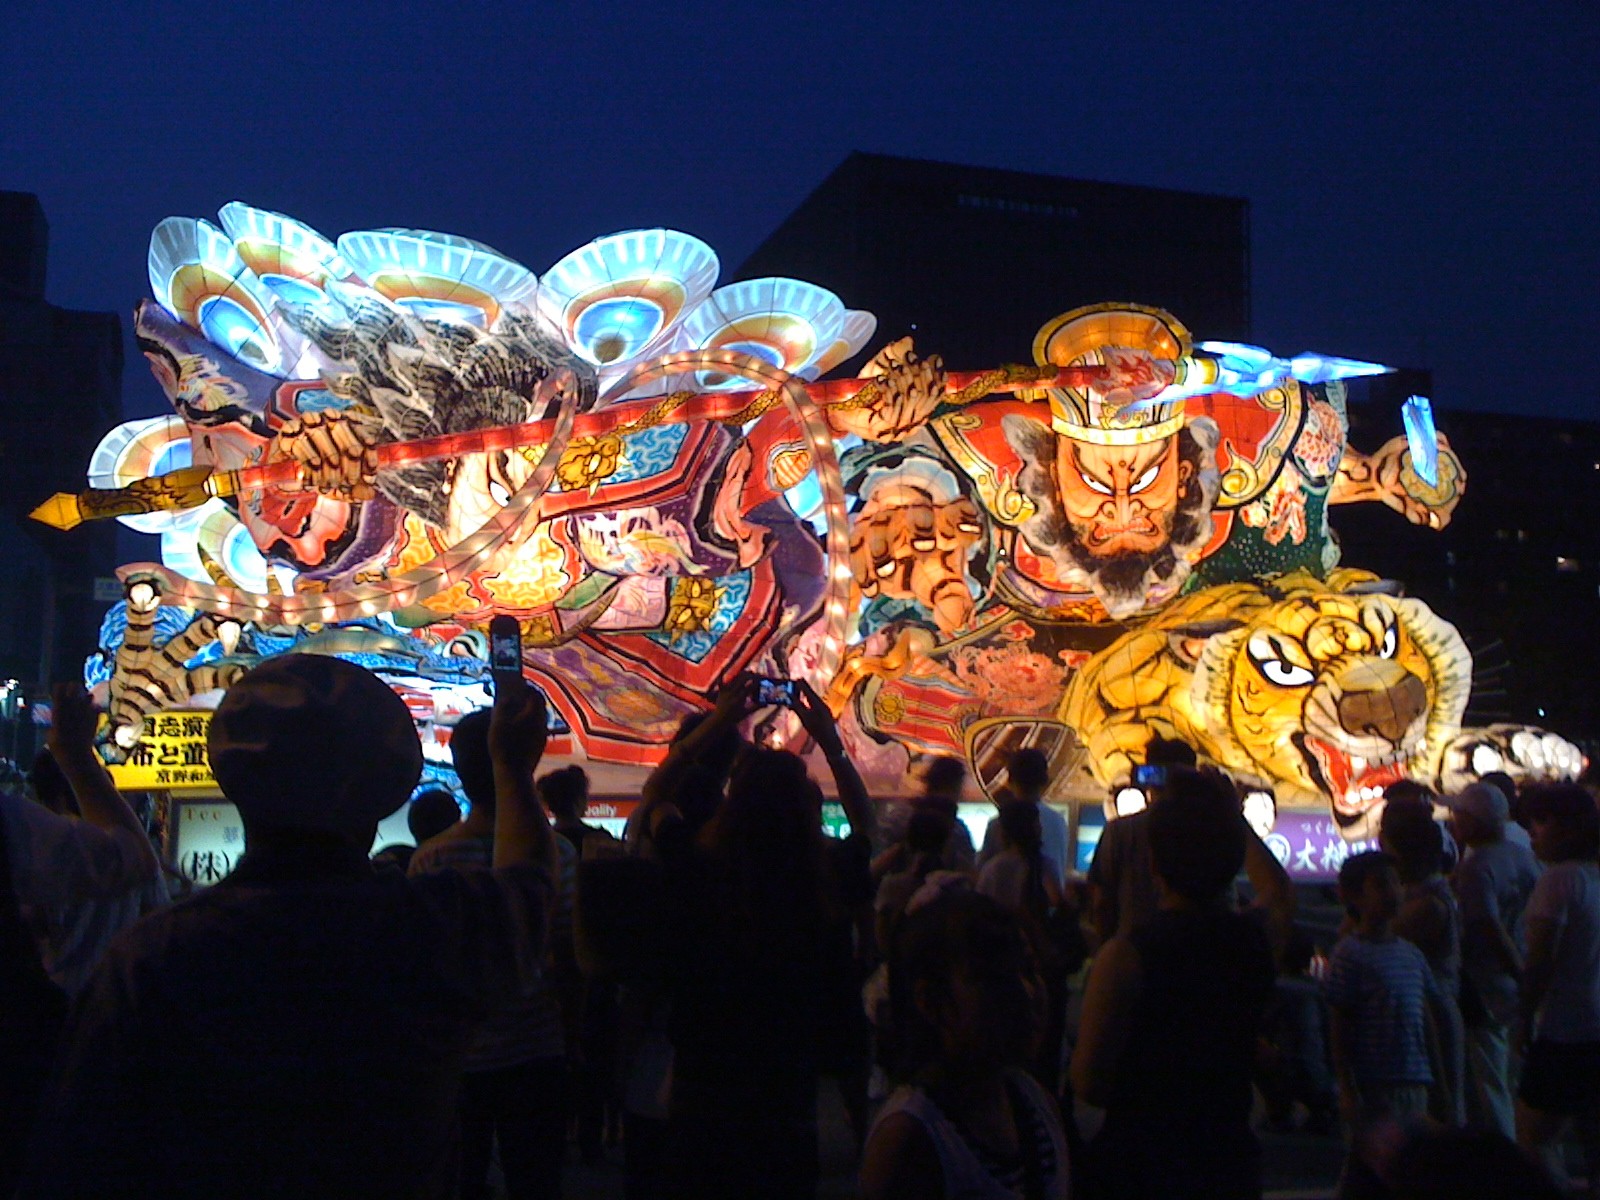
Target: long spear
190,487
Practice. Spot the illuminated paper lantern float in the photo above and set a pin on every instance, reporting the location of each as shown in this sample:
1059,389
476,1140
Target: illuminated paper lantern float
385,439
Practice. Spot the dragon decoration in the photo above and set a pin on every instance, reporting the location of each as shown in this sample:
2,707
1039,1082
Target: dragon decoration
382,441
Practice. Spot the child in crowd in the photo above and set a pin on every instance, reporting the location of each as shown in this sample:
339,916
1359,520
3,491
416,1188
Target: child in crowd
1379,988
966,1010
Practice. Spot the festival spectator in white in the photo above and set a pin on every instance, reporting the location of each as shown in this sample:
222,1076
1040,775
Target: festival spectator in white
1493,882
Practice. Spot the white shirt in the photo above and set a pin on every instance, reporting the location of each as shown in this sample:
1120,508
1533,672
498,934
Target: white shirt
1052,840
1568,896
1493,882
82,882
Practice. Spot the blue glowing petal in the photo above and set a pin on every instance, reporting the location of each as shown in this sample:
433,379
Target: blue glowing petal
661,269
296,291
738,309
396,253
618,328
179,246
242,222
234,328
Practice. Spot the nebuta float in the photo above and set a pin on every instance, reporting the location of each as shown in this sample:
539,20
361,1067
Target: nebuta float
379,442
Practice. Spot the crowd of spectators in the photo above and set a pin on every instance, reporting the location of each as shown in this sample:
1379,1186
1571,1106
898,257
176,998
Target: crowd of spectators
331,1022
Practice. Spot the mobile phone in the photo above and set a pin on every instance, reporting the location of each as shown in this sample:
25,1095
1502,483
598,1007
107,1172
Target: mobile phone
782,692
505,651
1150,775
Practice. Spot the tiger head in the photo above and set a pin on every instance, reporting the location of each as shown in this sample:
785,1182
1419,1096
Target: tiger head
1336,688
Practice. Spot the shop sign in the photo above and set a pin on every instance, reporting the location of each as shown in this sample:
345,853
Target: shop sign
171,756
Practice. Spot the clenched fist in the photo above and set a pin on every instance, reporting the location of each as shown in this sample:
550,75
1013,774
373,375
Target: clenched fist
336,451
1389,477
907,390
908,545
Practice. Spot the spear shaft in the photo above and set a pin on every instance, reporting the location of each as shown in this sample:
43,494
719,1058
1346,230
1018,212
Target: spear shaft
191,487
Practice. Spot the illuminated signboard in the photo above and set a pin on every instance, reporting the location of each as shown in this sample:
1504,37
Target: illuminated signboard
208,839
171,756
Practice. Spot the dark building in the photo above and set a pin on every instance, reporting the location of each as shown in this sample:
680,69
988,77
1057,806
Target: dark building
1517,571
972,261
60,391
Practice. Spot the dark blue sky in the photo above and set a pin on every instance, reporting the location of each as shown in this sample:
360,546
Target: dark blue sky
1424,178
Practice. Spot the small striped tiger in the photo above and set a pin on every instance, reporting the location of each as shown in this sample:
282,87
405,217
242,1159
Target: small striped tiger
147,678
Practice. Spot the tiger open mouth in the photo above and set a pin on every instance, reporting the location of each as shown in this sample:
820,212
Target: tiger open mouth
1352,781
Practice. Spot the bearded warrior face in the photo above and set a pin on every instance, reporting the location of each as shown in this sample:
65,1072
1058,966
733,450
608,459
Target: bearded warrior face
1131,518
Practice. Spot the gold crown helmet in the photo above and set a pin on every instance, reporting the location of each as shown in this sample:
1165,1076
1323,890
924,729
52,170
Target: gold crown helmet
1076,338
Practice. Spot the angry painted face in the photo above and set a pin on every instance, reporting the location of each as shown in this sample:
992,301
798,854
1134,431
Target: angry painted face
1121,499
1339,693
1131,519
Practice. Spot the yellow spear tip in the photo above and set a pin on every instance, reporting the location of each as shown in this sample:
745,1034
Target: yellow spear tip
61,511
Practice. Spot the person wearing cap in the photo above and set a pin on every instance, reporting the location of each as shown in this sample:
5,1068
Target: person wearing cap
299,1029
1493,882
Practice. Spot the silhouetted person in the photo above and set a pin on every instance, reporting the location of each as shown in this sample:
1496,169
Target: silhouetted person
566,794
758,920
590,1007
965,1015
1383,997
514,1086
80,860
1431,921
1560,1016
67,885
431,813
427,816
1123,890
943,780
298,1029
1168,1036
1493,882
1294,1064
1027,777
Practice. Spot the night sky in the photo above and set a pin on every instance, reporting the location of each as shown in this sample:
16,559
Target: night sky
1424,178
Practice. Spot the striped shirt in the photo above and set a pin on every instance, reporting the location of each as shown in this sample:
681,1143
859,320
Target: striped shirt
1383,987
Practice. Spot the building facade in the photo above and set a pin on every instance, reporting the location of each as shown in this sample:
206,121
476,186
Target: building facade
60,390
971,261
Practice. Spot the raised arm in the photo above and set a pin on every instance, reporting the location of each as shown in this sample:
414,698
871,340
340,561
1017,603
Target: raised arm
732,703
1270,882
71,742
517,735
819,723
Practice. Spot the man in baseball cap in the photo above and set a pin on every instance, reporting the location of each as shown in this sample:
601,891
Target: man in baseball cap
298,1029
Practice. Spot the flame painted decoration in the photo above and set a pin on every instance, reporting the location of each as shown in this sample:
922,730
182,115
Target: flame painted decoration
382,440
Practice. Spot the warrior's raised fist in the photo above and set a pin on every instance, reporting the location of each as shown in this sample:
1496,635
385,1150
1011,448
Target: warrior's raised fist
907,390
336,451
